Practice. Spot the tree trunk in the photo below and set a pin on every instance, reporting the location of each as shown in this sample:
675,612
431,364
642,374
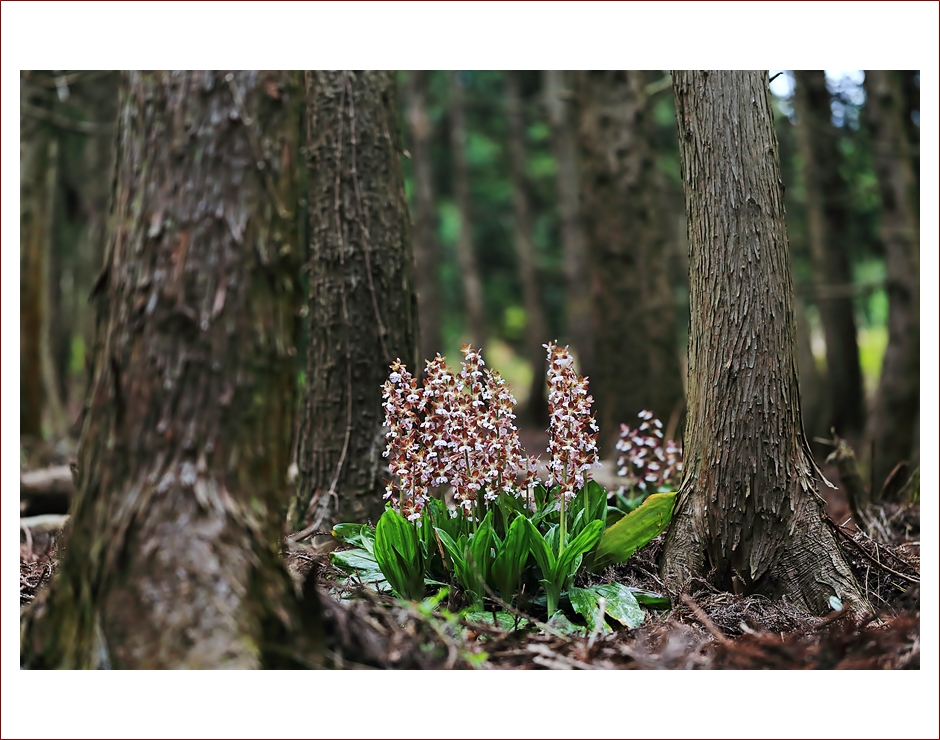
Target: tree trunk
466,256
426,246
86,167
636,359
536,334
894,413
748,515
34,155
826,215
172,558
362,303
578,327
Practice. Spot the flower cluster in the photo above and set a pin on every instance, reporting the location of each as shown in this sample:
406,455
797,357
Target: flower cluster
572,431
647,460
456,430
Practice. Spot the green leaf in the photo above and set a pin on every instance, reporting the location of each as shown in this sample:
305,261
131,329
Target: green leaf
480,547
504,620
621,604
360,535
649,598
561,623
634,530
585,603
399,554
511,557
361,563
541,550
585,541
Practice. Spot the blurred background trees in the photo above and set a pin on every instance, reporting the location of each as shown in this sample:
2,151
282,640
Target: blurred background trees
547,199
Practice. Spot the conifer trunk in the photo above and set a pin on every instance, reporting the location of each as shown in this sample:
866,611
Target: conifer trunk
891,424
362,313
747,515
826,215
172,557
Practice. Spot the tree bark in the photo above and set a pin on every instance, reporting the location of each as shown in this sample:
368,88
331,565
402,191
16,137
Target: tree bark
827,214
747,515
426,246
894,412
362,303
578,328
172,558
466,255
636,358
536,333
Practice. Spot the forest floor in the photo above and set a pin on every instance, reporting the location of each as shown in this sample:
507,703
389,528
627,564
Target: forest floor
707,629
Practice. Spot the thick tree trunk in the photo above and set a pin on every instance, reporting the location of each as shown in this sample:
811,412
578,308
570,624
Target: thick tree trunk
466,256
426,246
894,413
362,303
578,328
536,334
747,515
172,558
636,359
826,213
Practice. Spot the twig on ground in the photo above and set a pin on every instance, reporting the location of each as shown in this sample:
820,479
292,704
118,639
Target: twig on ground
702,617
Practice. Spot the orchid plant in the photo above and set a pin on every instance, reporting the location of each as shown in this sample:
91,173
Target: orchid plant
456,431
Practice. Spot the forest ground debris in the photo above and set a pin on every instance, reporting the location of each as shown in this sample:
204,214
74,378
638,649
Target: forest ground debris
370,630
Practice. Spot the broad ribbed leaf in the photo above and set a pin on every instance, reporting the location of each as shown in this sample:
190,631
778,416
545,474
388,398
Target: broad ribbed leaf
634,530
585,602
621,604
588,538
511,558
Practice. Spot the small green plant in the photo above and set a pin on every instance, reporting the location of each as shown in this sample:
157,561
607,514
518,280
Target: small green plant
507,530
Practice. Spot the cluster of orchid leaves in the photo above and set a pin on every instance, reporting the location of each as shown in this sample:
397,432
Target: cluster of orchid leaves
509,537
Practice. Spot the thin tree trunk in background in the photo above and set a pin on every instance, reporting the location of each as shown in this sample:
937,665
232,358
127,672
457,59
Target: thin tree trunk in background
34,152
426,245
826,214
86,168
362,302
40,397
172,558
894,413
536,333
748,515
50,296
578,326
812,392
466,255
636,362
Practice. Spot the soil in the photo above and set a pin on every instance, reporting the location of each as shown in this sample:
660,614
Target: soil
706,629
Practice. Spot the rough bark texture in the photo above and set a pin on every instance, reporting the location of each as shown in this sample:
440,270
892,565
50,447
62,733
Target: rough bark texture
536,333
636,359
466,256
172,558
426,245
891,424
362,302
578,328
826,214
747,515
